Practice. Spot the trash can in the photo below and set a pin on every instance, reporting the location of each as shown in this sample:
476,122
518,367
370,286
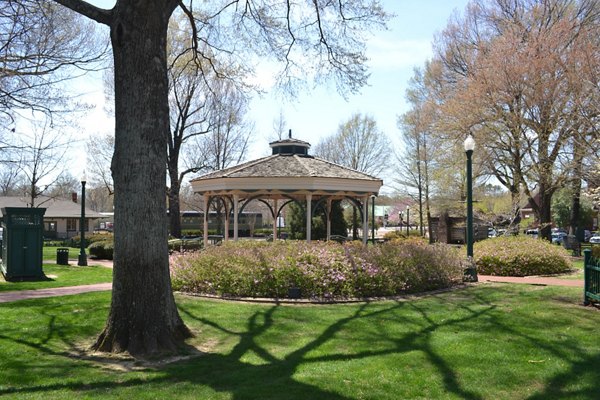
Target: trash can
62,256
570,242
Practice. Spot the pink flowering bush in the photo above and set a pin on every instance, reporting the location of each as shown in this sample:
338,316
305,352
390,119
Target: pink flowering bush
520,256
319,270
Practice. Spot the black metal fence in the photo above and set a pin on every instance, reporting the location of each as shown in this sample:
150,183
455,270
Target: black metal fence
591,277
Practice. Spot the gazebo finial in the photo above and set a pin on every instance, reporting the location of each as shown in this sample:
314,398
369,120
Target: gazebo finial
290,134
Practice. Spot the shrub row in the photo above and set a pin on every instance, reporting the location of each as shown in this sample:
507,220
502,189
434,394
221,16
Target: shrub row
103,249
185,245
319,270
75,241
520,256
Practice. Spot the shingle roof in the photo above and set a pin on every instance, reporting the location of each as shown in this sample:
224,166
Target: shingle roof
55,208
286,165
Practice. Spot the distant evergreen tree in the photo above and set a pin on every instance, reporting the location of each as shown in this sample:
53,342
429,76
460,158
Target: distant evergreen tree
297,222
339,225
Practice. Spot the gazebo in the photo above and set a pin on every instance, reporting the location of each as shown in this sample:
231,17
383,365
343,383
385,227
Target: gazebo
288,175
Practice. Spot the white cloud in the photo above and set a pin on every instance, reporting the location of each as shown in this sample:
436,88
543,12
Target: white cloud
387,53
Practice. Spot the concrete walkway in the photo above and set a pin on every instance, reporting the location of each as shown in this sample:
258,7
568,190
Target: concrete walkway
533,280
6,297
16,295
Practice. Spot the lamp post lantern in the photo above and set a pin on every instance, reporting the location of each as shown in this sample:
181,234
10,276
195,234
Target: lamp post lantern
469,145
82,256
373,218
407,221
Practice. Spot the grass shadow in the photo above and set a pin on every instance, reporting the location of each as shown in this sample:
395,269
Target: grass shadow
253,367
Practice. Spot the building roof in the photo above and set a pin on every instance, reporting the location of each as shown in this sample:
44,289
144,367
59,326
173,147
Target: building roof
55,208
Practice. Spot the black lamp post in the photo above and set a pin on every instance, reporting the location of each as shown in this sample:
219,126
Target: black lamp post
373,218
82,256
469,144
407,221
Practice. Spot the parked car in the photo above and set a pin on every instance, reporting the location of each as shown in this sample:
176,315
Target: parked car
558,237
532,232
595,240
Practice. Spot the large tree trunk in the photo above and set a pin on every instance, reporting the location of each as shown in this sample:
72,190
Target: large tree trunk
545,212
575,214
143,317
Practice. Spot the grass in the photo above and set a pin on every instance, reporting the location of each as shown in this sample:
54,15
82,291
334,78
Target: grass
482,342
578,270
62,275
49,252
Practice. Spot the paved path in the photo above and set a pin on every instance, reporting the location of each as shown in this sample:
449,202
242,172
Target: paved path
533,280
52,292
90,261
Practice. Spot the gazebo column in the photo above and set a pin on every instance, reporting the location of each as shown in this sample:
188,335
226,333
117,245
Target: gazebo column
308,216
205,233
226,233
365,201
236,209
328,218
275,219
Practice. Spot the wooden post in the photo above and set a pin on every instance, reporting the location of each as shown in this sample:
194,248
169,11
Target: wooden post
308,216
275,214
365,201
328,218
236,209
205,233
226,233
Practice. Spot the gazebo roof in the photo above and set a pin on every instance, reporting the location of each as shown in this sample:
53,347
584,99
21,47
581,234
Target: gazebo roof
288,171
288,166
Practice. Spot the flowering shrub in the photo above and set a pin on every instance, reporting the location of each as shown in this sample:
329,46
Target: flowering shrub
319,270
520,256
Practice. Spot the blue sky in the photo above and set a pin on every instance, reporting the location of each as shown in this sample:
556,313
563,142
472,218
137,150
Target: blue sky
312,115
393,55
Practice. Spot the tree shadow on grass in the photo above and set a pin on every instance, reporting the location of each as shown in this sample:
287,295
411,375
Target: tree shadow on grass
273,375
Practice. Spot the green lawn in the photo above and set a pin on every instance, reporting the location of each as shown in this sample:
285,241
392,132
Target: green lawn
49,252
484,342
62,275
578,273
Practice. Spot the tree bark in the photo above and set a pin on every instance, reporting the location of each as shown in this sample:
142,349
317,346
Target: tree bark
143,318
575,214
545,212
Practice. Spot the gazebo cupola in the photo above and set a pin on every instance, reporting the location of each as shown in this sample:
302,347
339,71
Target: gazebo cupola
290,146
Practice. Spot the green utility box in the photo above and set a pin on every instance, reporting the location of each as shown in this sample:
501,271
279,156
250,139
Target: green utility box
22,243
